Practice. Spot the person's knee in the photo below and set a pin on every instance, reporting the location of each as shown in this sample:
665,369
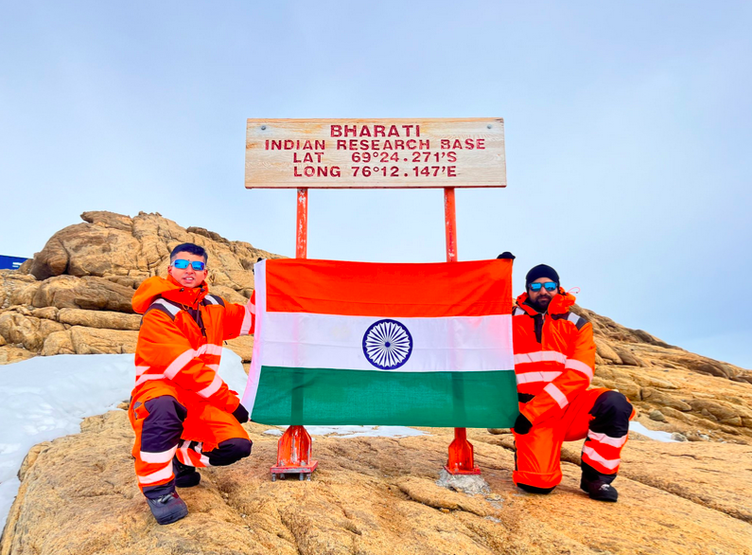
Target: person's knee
230,451
611,413
163,425
534,489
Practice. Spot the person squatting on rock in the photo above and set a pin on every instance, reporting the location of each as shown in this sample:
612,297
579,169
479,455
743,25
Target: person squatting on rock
183,413
554,359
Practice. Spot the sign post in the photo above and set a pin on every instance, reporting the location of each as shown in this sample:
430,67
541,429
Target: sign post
373,154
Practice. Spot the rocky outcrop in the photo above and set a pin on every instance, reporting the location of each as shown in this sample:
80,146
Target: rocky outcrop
76,299
379,495
75,295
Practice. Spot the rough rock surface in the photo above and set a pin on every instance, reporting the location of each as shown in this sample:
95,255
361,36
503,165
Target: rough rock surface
84,278
376,496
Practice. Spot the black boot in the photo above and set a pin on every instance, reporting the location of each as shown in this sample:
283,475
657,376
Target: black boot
168,508
598,486
185,476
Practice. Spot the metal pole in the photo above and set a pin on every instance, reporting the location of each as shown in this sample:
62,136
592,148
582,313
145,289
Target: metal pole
461,456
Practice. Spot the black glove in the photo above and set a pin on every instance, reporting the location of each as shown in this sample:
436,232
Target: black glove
240,414
522,425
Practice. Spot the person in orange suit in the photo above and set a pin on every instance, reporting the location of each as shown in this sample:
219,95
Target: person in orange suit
184,415
554,361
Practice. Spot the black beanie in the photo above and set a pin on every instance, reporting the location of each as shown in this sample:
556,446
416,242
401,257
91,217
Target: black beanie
541,271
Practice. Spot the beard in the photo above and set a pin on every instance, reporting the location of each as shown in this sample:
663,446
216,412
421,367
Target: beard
541,304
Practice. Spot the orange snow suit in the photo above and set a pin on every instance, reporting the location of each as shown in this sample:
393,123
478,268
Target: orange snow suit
554,359
177,356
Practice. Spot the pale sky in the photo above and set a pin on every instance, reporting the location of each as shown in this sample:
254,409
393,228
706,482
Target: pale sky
628,130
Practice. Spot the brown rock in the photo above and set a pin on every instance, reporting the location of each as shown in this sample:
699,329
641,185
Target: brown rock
58,343
91,293
96,341
26,330
48,313
10,354
373,496
606,352
99,319
663,399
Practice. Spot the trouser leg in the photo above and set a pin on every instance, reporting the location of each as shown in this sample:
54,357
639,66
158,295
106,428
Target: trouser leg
537,465
212,437
606,436
158,424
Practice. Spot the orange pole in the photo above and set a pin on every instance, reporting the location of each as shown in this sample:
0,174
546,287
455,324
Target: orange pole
301,230
461,456
294,447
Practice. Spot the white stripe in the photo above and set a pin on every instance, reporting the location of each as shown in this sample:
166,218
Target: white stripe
214,367
581,367
212,388
156,458
557,395
140,370
608,463
205,460
251,387
532,377
461,343
147,377
211,299
573,318
518,311
209,349
245,328
164,474
607,440
540,356
184,450
179,363
169,306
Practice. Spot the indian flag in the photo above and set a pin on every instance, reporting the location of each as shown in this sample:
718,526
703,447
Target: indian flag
383,344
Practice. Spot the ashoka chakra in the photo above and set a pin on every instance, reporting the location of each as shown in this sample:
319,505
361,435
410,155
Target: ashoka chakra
387,344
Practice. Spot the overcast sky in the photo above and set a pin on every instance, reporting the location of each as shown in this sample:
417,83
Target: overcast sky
628,134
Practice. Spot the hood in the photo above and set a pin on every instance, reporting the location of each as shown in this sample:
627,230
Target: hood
559,304
168,289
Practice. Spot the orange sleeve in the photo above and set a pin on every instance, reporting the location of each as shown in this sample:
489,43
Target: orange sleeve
578,371
166,351
240,319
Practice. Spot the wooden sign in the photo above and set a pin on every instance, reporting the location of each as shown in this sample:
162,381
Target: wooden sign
375,153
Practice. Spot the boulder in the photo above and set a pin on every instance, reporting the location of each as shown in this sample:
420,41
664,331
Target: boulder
99,319
10,354
606,352
92,293
27,330
96,341
58,343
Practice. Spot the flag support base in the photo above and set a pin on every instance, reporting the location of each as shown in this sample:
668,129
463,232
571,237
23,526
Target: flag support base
294,455
461,460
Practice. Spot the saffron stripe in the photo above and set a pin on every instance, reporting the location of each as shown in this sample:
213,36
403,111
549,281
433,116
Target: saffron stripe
471,288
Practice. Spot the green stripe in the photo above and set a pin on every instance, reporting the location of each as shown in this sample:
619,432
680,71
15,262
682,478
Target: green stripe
321,396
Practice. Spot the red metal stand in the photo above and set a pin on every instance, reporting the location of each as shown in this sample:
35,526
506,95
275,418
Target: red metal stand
461,457
294,447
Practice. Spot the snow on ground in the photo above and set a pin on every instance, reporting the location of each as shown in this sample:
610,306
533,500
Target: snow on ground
665,437
44,398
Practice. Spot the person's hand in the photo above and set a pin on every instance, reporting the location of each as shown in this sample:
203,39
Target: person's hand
241,414
522,425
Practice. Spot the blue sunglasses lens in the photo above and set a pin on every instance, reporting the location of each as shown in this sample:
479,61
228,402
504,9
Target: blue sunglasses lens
550,286
181,264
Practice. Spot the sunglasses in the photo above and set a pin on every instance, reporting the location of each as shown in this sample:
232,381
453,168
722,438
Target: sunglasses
181,264
550,286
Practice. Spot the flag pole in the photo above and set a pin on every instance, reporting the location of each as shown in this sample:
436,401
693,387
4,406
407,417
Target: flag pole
461,457
294,447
